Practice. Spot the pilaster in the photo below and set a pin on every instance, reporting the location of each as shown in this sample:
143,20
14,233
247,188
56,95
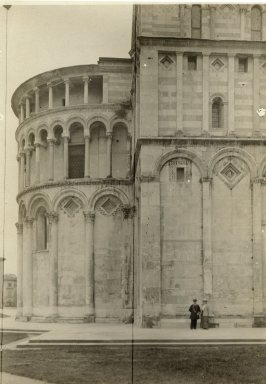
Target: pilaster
256,94
27,269
179,91
19,269
89,266
109,136
53,263
231,93
206,236
205,92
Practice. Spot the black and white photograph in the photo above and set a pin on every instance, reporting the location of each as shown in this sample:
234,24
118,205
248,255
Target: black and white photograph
132,192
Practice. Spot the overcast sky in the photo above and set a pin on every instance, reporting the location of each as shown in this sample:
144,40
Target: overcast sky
41,38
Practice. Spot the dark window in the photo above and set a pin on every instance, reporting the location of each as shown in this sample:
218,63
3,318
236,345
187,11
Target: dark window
63,102
256,23
196,21
242,64
180,174
76,161
217,113
192,63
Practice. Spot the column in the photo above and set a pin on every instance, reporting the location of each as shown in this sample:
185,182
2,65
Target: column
109,154
205,93
182,20
37,100
21,115
28,155
257,250
179,91
105,89
51,159
206,238
231,93
66,81
27,268
256,93
66,138
27,107
50,99
19,176
212,22
53,264
263,25
22,170
242,22
86,89
87,157
37,166
89,266
126,267
19,269
129,149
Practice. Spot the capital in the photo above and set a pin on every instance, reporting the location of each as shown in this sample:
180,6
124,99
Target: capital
89,216
49,84
109,134
19,228
206,179
66,138
36,89
85,79
66,80
128,211
52,217
28,221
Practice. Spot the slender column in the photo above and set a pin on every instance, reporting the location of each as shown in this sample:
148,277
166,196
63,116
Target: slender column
231,93
105,89
257,249
19,170
206,235
109,154
66,81
179,91
53,263
182,20
19,269
37,100
129,149
22,170
66,138
242,22
51,159
205,91
89,266
263,25
27,269
21,116
87,157
27,107
86,89
212,22
256,93
50,100
28,155
37,166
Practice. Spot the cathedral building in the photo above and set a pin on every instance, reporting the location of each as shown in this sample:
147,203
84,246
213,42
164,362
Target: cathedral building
142,180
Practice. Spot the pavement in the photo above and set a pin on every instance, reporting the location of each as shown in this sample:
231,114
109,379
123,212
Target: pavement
6,378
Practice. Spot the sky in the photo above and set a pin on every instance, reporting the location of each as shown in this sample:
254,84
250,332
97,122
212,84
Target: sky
40,38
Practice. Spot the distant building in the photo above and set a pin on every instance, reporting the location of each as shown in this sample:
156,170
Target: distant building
142,181
10,290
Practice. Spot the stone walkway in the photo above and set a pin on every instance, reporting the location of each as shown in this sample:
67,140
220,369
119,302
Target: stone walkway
6,378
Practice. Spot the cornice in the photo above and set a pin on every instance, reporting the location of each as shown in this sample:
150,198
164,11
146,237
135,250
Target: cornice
201,43
76,182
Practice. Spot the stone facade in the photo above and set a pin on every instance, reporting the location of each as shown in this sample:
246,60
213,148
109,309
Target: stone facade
142,181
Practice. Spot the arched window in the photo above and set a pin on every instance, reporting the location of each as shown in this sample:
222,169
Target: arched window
217,113
256,23
41,230
76,152
43,136
58,130
196,21
31,139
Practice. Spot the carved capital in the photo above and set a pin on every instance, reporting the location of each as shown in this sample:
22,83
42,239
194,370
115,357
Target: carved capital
19,228
89,216
36,89
128,211
52,217
109,134
28,221
85,79
206,179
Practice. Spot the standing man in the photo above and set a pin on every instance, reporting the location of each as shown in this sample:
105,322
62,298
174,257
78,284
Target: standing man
205,314
194,310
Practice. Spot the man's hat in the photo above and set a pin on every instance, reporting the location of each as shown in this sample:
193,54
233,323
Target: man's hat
205,300
194,299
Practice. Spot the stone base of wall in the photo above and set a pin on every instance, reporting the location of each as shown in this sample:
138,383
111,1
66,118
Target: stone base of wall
259,322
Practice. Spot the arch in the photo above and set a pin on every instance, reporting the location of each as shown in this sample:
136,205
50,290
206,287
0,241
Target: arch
217,95
41,228
217,113
40,128
31,138
69,192
73,119
180,152
234,152
99,193
55,124
256,22
37,201
102,119
116,120
22,143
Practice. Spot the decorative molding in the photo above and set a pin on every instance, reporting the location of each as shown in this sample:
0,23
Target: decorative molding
217,64
19,228
166,61
89,216
128,211
71,206
52,217
108,205
231,171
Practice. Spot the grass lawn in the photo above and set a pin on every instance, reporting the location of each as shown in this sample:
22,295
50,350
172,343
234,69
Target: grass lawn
147,365
9,337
